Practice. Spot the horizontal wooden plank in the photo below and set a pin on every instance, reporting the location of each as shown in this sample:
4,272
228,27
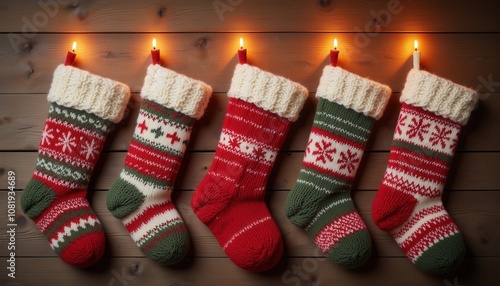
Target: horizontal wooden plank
469,59
21,125
221,271
249,16
475,212
469,171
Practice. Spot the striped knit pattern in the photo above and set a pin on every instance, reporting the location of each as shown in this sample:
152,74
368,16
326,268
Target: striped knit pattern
55,198
230,199
320,201
141,196
408,203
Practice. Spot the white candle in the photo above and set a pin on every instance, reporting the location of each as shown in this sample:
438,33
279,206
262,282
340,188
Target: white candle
416,56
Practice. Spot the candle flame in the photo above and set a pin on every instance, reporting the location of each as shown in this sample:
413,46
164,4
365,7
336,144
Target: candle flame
335,44
241,43
415,45
154,43
74,47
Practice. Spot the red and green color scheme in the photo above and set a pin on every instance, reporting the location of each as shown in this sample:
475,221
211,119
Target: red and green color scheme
320,202
82,110
408,203
230,199
141,196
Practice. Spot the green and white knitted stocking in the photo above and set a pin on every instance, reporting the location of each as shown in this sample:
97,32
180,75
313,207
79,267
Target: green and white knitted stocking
140,197
320,201
83,108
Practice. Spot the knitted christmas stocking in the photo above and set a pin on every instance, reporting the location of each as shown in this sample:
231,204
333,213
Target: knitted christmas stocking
408,203
230,199
83,108
320,201
140,197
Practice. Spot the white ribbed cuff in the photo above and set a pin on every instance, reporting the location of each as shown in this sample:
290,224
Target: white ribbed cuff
79,89
270,92
176,91
438,95
352,91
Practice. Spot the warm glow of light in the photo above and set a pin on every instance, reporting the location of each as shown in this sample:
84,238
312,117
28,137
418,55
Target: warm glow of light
335,44
241,43
74,47
154,44
415,45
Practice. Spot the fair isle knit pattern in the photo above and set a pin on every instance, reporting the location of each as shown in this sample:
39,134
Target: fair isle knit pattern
55,198
230,199
83,108
320,201
141,196
408,203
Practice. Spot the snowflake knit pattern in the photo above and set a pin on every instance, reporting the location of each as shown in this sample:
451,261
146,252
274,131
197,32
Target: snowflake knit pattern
82,110
141,196
408,203
230,199
320,201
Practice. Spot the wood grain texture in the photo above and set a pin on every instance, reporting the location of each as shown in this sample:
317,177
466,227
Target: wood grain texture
293,271
251,16
211,57
459,40
469,171
475,212
21,125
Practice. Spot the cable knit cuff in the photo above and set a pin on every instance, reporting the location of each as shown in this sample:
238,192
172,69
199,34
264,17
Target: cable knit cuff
352,91
270,92
439,95
79,89
176,91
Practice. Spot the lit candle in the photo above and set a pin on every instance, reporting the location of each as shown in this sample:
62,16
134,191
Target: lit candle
242,53
155,53
334,54
70,57
416,56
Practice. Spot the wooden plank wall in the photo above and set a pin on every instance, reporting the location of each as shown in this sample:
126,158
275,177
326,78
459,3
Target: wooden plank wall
459,40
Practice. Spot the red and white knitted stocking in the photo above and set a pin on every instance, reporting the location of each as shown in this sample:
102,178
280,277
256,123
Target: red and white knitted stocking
408,203
230,199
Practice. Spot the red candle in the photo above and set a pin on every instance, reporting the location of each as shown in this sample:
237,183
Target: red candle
155,54
70,57
334,54
242,53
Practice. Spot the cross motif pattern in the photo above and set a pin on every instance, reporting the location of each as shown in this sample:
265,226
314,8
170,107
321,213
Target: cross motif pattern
157,132
173,138
143,126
